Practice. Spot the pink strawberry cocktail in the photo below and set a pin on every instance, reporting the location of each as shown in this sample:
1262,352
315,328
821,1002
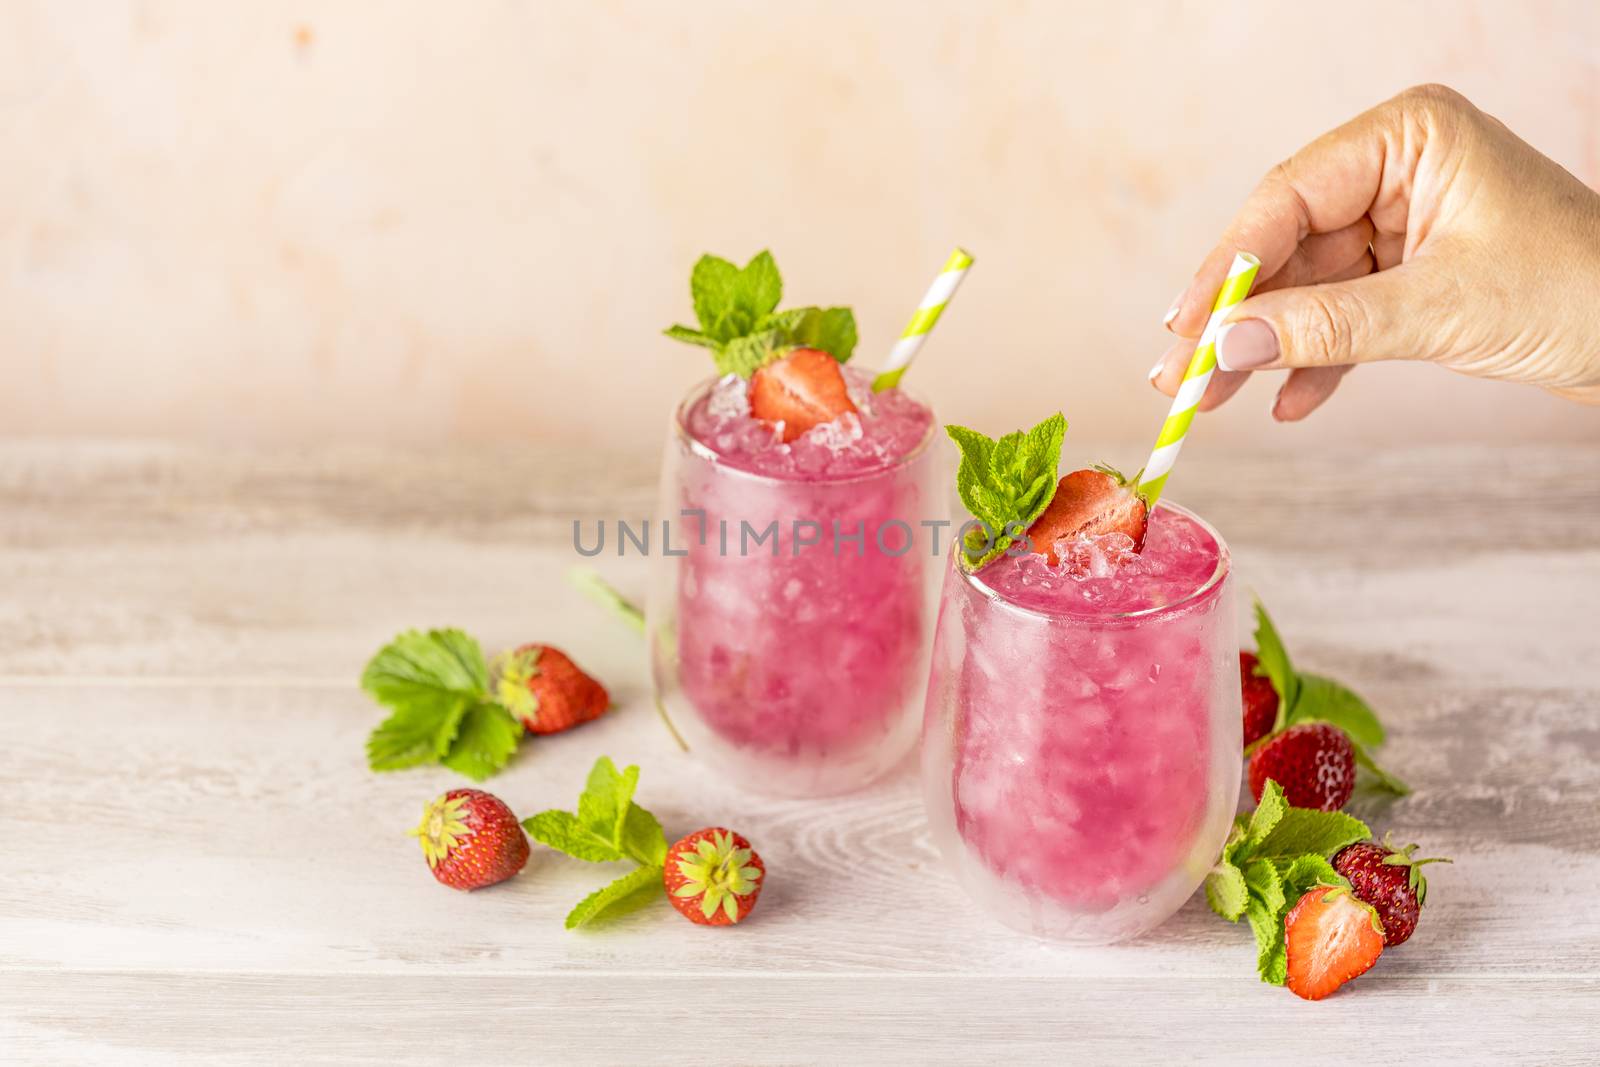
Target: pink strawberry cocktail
790,640
1081,746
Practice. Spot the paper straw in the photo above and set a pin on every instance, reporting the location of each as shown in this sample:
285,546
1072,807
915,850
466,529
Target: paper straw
928,312
1237,286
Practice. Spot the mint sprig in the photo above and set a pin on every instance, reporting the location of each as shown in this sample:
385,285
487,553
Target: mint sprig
1306,697
1273,857
607,827
436,687
740,323
1005,484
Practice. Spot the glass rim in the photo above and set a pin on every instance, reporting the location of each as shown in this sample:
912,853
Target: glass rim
704,451
1221,571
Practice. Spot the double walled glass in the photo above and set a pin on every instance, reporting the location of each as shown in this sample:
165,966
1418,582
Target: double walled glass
1081,768
791,628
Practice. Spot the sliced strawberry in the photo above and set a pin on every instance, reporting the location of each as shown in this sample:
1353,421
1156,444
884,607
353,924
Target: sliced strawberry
801,390
1330,937
1260,700
1098,501
1314,762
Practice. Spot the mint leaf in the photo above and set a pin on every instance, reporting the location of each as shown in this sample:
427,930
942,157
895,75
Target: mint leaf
740,323
831,329
642,837
1303,872
562,832
1274,660
608,826
1267,925
1280,851
690,336
760,286
1005,483
1264,883
487,738
1304,830
1326,700
630,891
746,355
1226,891
714,287
414,736
729,301
603,807
428,673
1269,812
1378,776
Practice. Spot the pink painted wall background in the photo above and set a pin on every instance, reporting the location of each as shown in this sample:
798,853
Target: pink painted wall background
422,222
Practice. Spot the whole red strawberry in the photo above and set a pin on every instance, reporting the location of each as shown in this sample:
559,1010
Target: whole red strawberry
471,839
540,685
801,390
1329,938
713,877
1089,502
1389,880
1313,762
1260,700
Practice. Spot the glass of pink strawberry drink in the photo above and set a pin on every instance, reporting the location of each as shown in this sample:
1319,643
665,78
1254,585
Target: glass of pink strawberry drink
790,627
1081,741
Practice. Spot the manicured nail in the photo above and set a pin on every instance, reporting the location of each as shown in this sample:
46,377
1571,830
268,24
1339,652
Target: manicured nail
1172,312
1155,372
1246,345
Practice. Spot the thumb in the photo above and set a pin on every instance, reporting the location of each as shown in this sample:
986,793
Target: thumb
1375,317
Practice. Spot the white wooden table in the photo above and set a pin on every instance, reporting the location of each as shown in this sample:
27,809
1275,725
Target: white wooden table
196,865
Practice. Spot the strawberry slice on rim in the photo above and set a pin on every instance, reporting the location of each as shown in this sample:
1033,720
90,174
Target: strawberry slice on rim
802,390
1089,502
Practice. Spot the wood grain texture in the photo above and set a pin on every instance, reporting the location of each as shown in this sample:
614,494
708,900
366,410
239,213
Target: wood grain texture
222,880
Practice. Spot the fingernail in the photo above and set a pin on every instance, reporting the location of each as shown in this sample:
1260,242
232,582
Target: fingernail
1246,345
1155,372
1172,312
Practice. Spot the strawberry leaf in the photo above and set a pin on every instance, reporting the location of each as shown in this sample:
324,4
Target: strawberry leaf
411,737
1275,664
487,739
436,687
1376,775
1328,701
632,890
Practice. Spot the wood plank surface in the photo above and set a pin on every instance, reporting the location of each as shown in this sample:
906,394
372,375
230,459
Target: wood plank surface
196,866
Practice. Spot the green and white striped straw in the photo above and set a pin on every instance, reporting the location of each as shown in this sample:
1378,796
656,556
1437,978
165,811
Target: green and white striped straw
1237,286
928,312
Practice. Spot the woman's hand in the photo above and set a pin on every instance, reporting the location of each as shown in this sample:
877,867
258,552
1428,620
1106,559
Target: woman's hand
1423,229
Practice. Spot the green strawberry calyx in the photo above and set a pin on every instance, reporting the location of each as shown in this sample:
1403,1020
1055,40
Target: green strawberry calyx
719,873
442,828
512,671
1401,857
